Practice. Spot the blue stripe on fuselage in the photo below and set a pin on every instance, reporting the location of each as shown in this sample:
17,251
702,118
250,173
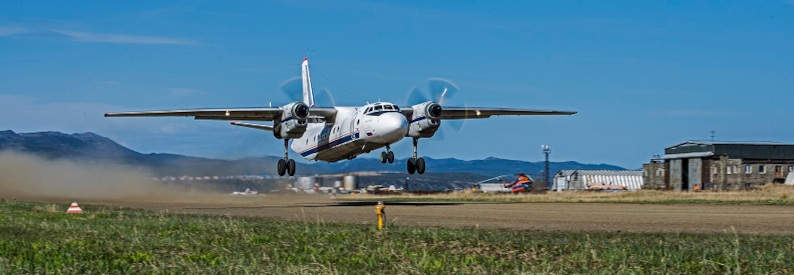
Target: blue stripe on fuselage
418,119
322,147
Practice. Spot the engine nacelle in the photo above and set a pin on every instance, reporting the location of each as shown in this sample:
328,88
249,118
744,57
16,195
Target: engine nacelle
425,120
292,123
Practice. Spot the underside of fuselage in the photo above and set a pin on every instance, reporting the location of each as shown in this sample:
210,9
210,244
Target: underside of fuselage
347,151
333,148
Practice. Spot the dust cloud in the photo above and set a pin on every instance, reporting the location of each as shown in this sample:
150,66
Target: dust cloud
27,177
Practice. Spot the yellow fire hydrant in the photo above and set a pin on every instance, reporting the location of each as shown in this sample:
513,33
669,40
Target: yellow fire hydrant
380,209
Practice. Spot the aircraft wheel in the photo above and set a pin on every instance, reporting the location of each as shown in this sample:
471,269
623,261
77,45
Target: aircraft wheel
282,167
420,165
391,157
383,157
411,166
291,167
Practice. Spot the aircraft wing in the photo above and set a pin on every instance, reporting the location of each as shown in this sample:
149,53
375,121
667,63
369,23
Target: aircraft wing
477,112
253,126
265,114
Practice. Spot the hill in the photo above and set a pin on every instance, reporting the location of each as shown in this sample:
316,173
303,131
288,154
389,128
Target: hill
90,147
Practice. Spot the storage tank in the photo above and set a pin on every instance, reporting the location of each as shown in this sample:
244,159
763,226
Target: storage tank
350,182
305,183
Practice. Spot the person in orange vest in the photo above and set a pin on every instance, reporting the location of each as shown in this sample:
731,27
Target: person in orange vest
523,183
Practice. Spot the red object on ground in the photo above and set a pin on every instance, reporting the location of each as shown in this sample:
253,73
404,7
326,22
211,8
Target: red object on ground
74,209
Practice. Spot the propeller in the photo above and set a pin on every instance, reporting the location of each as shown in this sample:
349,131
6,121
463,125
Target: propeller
441,90
293,89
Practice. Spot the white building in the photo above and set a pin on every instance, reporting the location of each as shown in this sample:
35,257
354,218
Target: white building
585,179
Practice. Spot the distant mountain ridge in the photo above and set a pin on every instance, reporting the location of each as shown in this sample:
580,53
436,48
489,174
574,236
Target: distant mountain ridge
91,147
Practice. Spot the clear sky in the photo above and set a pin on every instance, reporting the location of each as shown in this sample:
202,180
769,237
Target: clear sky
643,75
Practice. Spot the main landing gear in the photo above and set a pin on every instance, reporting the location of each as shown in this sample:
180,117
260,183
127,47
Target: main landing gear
387,155
286,165
416,164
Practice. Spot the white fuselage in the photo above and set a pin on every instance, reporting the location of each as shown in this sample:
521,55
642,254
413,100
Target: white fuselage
354,131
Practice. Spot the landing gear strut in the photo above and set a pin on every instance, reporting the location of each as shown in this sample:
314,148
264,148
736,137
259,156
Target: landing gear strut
286,165
416,164
387,155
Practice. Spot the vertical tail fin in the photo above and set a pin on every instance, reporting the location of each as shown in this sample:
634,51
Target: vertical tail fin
308,96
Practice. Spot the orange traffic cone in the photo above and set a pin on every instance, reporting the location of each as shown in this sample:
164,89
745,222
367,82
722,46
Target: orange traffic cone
74,209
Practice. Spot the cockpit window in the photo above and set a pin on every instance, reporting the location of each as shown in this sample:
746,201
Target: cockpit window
381,108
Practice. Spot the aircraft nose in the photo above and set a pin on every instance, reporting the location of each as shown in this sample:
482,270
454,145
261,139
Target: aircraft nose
393,126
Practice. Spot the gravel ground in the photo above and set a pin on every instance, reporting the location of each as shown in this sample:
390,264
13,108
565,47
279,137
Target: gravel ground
610,217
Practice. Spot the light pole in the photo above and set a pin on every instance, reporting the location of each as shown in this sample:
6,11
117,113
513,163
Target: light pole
546,151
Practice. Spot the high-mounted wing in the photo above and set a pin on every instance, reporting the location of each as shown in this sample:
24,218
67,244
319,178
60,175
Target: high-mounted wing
264,114
477,112
253,126
220,114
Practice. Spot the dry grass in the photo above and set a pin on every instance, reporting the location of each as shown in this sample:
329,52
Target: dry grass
140,242
768,194
47,208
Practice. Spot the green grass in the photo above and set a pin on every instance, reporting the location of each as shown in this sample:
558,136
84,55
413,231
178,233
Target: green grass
39,238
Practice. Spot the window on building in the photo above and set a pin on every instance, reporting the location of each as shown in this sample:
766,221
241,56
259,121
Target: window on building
748,169
730,168
659,172
761,169
791,168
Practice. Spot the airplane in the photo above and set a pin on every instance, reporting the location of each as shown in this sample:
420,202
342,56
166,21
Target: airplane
338,133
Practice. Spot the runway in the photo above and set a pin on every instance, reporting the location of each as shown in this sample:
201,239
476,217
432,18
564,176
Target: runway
605,217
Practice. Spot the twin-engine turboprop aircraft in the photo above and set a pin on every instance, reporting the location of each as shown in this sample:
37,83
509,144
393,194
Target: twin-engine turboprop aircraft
337,133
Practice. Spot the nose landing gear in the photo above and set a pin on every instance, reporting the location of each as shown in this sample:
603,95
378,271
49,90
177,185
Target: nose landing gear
286,165
387,155
416,164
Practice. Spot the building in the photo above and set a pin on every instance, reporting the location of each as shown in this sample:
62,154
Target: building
585,179
716,165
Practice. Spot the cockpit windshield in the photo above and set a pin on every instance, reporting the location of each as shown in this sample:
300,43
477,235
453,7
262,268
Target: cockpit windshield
382,108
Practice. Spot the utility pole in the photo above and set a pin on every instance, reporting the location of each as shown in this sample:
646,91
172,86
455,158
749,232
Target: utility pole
712,135
546,151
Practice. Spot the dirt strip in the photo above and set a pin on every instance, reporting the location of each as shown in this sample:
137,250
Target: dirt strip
611,217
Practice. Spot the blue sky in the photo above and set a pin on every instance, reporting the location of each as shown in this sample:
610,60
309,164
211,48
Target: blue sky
643,75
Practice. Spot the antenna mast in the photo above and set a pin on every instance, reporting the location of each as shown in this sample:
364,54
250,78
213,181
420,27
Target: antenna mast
546,151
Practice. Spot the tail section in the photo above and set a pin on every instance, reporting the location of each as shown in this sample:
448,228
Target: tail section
308,95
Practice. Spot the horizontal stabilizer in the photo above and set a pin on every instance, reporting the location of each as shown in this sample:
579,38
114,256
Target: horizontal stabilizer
255,126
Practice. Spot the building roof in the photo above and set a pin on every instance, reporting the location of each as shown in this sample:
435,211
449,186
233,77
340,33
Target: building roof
610,172
688,155
712,142
564,173
733,149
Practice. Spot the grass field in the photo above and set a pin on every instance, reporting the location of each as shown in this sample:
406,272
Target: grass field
769,194
39,238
